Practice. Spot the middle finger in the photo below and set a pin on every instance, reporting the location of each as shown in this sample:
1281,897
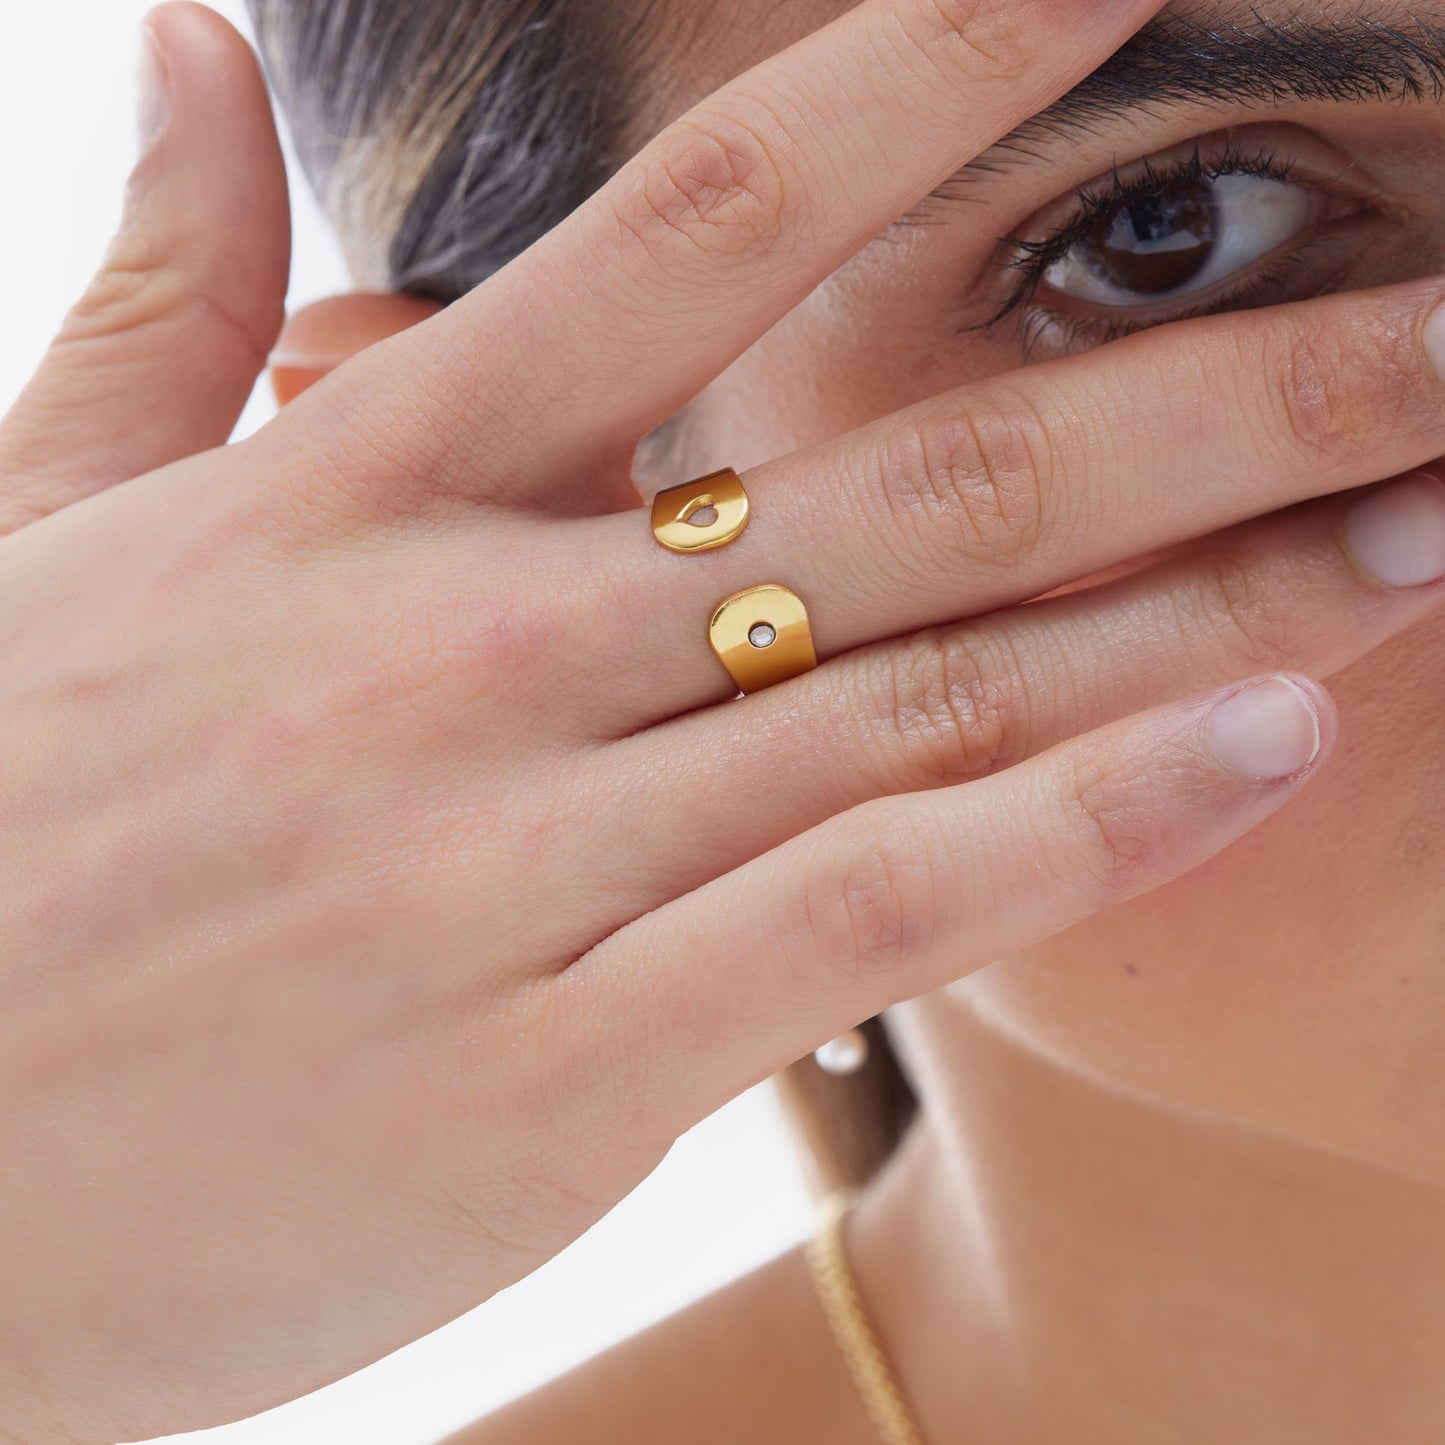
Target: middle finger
726,221
1307,590
1007,489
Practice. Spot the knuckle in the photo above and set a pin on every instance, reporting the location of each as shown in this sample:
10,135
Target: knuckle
1323,418
1108,828
129,294
1245,612
869,907
975,480
141,289
980,37
952,708
1330,408
712,186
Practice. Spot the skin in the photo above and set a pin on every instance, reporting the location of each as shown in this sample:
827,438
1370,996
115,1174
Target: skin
439,1160
1179,1171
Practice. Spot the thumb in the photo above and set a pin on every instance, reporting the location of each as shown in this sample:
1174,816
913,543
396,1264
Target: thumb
158,359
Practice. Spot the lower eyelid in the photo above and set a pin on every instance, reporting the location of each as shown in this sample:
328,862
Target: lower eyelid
1319,266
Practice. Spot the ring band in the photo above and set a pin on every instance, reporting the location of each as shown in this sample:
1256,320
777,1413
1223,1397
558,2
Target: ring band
701,515
763,637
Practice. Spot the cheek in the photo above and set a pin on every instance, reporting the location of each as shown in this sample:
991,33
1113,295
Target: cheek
1296,983
792,390
869,342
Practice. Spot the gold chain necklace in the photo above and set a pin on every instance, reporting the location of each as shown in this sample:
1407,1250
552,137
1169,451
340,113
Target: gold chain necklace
843,1305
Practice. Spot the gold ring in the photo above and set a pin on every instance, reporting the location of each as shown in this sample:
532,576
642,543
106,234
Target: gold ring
763,637
701,515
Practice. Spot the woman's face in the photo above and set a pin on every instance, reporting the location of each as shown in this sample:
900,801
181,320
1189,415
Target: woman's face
1297,983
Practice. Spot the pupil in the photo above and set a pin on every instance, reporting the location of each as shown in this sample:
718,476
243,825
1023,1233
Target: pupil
1157,244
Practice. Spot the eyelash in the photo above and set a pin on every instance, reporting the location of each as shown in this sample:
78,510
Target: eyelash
1032,260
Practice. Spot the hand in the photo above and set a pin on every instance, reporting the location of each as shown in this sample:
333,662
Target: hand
386,885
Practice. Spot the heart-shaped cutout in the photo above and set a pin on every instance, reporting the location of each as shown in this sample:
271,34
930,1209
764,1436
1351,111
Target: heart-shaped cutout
700,512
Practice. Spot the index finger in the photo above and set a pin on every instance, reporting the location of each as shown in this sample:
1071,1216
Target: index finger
718,228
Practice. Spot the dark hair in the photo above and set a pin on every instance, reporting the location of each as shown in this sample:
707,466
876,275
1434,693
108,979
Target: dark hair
443,137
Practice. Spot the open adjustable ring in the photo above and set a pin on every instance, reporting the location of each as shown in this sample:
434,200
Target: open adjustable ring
761,635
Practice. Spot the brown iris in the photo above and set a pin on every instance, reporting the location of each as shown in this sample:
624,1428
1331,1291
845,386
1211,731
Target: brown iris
1155,244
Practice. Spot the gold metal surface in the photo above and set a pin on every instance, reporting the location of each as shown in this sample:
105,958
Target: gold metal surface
721,502
872,1371
740,635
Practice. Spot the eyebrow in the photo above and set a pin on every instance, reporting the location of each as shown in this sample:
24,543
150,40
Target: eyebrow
1180,60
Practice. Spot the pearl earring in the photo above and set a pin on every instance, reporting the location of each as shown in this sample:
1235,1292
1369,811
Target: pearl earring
844,1055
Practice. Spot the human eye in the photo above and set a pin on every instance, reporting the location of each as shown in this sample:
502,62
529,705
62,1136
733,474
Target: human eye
1228,224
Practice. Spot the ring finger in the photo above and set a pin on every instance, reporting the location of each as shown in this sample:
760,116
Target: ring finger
1310,589
1011,488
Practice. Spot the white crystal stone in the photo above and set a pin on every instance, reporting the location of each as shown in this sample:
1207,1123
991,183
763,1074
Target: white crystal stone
763,635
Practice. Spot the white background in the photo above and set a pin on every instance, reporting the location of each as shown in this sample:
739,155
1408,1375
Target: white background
731,1194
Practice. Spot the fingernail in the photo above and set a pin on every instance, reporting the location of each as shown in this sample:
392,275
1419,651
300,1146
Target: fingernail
1270,730
1397,534
153,91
